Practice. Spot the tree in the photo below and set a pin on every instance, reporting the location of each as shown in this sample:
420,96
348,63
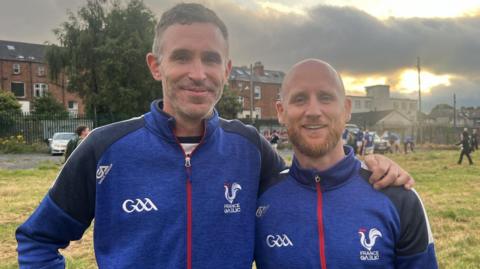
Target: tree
8,103
47,105
9,107
229,106
103,50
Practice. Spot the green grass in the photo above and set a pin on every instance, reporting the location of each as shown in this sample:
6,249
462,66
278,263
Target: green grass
450,192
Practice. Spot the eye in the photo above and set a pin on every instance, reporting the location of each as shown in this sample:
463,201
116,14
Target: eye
299,99
325,98
212,58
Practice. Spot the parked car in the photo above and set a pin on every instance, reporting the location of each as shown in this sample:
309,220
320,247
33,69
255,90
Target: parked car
58,143
352,128
380,145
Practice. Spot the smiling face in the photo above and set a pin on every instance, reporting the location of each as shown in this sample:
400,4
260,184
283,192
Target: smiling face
314,108
193,68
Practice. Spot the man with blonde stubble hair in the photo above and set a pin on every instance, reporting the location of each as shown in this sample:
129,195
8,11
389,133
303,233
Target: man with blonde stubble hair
323,213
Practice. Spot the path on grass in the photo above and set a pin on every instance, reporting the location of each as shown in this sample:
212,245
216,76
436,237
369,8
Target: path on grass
26,161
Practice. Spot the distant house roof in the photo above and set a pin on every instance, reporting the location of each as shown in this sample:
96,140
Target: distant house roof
270,76
369,118
19,51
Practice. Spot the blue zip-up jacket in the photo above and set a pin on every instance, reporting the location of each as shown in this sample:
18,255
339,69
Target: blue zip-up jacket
335,219
155,207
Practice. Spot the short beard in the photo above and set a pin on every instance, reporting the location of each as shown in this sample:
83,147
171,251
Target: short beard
317,150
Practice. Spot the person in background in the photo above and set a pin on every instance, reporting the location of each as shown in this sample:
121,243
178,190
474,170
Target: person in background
466,147
360,142
409,143
274,139
345,136
81,132
474,140
369,143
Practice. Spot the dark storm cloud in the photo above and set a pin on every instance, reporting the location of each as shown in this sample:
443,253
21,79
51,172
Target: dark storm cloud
353,41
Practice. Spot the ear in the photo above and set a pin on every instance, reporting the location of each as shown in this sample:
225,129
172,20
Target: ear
348,109
280,112
154,66
228,69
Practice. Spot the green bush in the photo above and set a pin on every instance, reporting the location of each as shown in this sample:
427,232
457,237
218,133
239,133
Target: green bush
16,144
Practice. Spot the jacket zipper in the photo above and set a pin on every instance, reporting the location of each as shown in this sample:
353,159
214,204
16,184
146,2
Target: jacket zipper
321,234
188,168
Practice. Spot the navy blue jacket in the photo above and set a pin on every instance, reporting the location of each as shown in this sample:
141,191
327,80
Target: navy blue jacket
155,207
335,219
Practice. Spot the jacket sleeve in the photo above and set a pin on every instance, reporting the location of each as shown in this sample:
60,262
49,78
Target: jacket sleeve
415,248
63,215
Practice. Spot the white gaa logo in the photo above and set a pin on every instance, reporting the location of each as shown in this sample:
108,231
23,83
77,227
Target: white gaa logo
230,195
102,172
138,205
278,241
373,234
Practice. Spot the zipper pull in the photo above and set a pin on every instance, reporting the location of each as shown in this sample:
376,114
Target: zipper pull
317,178
187,161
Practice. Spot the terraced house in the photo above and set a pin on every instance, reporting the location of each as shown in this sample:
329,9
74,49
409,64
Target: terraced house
24,72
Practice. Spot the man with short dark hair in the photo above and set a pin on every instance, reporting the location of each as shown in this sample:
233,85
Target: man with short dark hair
323,213
81,132
177,187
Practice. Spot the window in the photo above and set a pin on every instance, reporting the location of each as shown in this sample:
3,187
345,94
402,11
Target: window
240,99
358,104
368,104
40,89
257,93
72,105
258,112
279,96
18,89
16,68
41,71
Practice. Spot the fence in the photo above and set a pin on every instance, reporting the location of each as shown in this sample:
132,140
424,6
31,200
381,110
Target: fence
38,128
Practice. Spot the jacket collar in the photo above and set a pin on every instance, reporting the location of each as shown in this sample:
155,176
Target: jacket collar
331,178
163,123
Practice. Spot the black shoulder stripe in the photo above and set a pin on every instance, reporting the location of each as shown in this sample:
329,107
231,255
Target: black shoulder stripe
236,126
365,174
272,163
272,181
415,232
75,188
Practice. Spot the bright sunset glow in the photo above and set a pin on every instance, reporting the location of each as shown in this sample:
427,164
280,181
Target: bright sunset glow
408,81
356,85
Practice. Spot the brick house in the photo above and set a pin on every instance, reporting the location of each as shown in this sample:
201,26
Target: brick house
266,88
24,72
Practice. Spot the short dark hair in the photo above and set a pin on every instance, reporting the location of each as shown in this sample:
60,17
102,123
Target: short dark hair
80,129
186,13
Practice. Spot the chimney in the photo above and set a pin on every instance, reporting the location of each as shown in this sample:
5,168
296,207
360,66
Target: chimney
258,69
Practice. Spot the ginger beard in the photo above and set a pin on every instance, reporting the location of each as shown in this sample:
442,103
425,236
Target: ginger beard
316,149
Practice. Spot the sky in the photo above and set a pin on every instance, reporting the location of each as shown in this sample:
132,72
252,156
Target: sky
369,41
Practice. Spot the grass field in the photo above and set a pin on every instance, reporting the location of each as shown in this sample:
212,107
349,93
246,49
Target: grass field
450,192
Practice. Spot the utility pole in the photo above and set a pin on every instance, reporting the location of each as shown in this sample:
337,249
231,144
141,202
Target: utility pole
251,94
420,131
419,86
454,111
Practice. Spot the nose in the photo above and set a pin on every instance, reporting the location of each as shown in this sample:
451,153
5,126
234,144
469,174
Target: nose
197,71
314,108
